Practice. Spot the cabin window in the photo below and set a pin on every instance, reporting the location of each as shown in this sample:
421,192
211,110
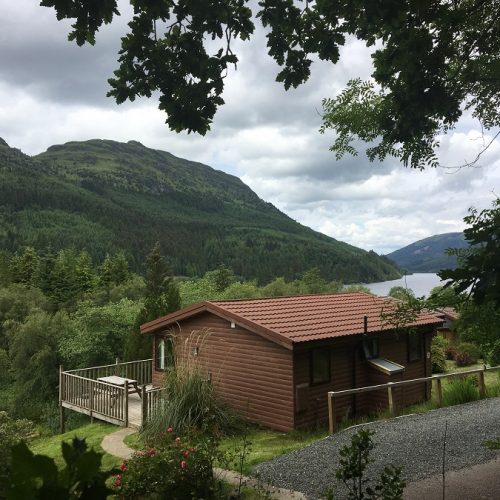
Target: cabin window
414,346
164,353
320,366
371,348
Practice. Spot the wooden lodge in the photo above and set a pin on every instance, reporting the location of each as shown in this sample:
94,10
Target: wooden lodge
274,360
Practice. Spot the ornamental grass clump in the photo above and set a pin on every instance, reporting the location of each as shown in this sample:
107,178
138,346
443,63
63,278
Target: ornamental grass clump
189,403
459,391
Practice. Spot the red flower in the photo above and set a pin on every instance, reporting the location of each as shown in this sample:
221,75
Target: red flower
183,464
151,451
170,429
118,481
123,466
186,453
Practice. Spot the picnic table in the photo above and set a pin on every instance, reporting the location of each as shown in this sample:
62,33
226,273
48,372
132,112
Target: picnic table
133,386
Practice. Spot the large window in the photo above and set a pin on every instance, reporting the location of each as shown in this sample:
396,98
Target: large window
414,346
320,365
164,353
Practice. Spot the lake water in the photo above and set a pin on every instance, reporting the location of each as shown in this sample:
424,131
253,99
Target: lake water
420,283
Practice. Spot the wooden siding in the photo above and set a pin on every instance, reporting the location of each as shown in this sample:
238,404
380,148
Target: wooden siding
349,370
251,374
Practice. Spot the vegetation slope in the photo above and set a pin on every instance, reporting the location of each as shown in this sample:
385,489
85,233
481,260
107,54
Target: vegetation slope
103,196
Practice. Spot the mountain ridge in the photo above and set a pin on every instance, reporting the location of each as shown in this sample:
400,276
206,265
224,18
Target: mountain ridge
429,254
105,195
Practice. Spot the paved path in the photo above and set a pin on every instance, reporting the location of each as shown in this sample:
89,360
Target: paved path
114,445
480,482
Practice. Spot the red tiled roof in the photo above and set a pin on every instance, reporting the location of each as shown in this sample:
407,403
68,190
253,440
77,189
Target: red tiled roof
300,318
447,312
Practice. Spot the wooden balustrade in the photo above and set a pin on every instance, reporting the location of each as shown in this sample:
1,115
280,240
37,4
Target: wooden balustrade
94,398
151,400
80,390
142,371
391,385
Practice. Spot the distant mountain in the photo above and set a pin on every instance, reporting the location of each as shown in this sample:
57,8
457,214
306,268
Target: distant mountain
103,196
428,255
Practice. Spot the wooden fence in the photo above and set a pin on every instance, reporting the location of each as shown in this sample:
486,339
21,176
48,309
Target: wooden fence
436,379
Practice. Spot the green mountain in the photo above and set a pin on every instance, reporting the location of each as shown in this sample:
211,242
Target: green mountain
429,255
103,196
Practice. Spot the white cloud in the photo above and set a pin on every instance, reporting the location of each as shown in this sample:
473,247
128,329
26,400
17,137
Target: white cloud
53,92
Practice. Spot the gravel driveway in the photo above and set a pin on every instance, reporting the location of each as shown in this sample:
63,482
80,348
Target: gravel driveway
414,443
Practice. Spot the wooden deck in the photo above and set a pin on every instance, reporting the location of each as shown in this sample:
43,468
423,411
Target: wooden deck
121,394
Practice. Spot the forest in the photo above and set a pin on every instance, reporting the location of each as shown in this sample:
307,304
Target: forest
62,308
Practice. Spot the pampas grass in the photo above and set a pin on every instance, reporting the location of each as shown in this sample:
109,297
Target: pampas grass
190,403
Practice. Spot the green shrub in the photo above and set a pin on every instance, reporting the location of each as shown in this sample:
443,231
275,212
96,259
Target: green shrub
12,432
174,469
463,359
472,350
440,341
494,353
37,476
460,391
450,352
354,460
438,356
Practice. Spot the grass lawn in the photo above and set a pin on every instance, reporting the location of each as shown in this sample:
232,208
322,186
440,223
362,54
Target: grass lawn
93,434
263,445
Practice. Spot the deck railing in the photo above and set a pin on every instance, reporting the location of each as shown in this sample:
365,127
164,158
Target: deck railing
391,385
152,399
141,371
98,399
80,390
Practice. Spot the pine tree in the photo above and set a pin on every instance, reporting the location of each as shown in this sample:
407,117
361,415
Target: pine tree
23,267
162,297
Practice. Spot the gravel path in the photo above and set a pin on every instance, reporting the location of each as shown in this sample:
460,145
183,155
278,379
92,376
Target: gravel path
414,443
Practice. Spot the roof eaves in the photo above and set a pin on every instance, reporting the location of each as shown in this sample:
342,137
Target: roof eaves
207,306
157,324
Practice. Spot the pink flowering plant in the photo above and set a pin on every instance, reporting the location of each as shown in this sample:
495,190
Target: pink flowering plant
174,469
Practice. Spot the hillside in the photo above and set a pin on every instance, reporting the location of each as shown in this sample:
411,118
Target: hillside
103,196
428,255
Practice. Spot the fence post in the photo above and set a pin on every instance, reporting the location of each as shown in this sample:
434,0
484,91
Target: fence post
91,403
390,398
126,403
117,368
331,414
144,405
482,388
61,397
439,392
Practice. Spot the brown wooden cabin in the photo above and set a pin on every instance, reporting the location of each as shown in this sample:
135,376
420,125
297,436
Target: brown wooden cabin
448,315
273,360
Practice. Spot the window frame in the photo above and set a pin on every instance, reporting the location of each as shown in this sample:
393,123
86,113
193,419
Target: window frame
325,352
415,346
168,355
371,348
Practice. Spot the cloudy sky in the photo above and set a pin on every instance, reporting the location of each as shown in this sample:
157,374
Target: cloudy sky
52,92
